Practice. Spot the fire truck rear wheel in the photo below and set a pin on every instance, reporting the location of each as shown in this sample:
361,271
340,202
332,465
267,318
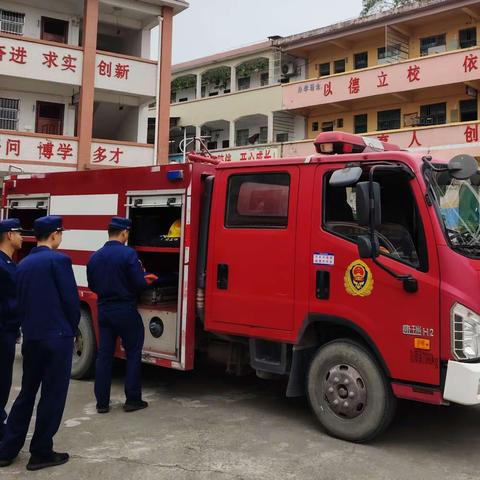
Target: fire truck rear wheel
84,348
349,392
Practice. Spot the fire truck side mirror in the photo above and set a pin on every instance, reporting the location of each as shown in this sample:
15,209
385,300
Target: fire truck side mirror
367,248
462,167
369,210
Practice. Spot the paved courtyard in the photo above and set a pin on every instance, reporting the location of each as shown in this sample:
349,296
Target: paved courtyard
207,425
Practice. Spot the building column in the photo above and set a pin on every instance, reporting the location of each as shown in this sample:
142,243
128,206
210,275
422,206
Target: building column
231,136
165,73
270,128
87,90
233,79
199,86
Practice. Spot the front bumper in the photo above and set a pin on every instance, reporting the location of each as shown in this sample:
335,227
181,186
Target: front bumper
462,384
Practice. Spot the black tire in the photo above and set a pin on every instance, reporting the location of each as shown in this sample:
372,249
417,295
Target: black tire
349,392
84,349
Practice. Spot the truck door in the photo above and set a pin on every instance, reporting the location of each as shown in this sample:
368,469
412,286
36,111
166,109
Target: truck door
251,274
358,292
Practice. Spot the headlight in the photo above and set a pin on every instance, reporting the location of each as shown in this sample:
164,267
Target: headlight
465,333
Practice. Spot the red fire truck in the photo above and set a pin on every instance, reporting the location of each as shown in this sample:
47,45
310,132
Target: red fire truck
353,272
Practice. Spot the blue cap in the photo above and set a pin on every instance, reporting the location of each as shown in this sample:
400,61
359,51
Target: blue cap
10,225
47,225
120,223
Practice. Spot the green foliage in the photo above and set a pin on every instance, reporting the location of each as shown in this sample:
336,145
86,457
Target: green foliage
183,83
256,65
371,7
216,76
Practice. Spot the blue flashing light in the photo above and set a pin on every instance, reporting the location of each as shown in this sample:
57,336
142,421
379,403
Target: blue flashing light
175,175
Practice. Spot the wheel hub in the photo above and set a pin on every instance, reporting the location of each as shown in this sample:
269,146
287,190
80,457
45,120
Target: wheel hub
345,391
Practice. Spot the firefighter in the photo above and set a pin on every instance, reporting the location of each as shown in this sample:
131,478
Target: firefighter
49,313
10,241
116,275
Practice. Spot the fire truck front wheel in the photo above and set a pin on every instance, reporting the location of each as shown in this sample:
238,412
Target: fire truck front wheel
349,392
84,348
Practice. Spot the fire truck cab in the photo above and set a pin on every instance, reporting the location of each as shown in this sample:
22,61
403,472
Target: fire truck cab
353,272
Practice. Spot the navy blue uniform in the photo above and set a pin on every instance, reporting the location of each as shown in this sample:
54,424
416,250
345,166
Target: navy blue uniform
9,324
49,313
116,275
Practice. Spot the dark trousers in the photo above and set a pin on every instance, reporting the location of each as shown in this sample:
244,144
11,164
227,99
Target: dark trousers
46,363
124,322
7,356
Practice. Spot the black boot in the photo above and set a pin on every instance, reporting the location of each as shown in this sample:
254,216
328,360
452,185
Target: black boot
37,462
5,462
131,406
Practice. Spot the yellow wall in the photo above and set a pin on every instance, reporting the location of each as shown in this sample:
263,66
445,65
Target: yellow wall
406,108
329,52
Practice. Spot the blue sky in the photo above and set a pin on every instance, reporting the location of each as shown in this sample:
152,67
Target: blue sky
212,26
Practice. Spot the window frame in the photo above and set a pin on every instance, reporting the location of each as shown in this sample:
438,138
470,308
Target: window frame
423,262
435,115
10,109
463,102
227,203
468,43
355,130
435,41
399,110
356,58
336,63
10,21
326,64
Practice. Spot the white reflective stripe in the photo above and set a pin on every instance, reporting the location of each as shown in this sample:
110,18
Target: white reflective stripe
88,240
80,272
84,204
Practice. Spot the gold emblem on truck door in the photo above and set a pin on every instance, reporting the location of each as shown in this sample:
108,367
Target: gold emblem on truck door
358,279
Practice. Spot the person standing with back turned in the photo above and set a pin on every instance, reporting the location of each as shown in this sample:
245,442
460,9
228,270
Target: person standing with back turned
116,275
49,312
10,242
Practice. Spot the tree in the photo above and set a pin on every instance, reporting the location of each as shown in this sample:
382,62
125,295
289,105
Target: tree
376,6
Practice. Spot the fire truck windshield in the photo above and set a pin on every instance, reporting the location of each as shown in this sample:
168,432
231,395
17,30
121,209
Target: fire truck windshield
458,203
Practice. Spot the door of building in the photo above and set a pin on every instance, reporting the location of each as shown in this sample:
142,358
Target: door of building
49,118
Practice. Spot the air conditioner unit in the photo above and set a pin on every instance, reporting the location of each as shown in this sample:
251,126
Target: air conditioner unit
289,69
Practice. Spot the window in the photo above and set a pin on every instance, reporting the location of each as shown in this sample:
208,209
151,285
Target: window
360,60
315,126
390,54
401,234
339,122
244,83
435,114
11,22
339,66
242,137
281,137
381,53
212,145
263,138
360,123
258,200
151,130
225,143
388,119
468,110
49,118
468,37
324,69
327,126
264,79
8,113
433,44
54,30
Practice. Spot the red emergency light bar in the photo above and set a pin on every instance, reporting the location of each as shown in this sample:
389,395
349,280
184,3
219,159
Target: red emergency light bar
338,143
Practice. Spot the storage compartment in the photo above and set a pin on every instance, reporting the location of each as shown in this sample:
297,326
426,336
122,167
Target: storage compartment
151,226
160,329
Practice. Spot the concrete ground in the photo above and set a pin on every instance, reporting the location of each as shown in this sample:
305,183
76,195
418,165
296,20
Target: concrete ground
207,425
